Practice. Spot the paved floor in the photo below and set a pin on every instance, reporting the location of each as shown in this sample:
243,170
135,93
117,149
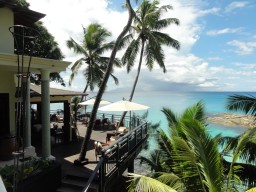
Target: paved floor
67,153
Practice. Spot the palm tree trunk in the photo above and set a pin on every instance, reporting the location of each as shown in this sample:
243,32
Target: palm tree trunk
85,89
136,80
103,85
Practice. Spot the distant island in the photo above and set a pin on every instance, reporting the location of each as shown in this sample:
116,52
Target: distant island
229,119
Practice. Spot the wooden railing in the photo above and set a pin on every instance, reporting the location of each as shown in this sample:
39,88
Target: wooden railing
116,157
131,121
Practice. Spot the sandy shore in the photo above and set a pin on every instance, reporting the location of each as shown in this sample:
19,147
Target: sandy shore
229,119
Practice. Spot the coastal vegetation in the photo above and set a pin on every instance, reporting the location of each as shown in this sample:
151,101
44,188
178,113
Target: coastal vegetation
146,39
46,46
145,34
33,175
93,62
190,159
92,48
104,84
242,103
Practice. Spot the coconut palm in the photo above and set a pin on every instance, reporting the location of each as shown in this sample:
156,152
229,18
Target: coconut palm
75,107
193,156
104,84
147,39
93,46
155,161
193,153
143,183
238,150
243,103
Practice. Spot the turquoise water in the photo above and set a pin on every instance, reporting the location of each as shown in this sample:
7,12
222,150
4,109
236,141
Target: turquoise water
215,102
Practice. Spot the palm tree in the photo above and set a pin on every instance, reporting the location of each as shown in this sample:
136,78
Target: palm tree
148,184
193,157
191,153
104,84
243,103
149,40
75,107
155,161
92,48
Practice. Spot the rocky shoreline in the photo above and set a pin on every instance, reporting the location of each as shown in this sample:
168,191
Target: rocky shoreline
229,119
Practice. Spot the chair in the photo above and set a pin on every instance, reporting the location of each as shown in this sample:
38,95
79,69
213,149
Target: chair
97,124
85,121
58,135
122,130
105,122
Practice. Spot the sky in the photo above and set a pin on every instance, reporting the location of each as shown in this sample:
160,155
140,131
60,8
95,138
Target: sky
217,37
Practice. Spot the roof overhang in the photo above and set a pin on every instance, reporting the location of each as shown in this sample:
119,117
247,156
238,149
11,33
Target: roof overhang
9,62
35,91
22,16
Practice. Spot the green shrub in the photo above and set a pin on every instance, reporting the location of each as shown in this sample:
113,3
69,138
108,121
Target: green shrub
25,170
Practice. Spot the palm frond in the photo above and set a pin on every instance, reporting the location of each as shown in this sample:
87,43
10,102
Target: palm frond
162,23
147,184
155,161
171,180
72,44
171,117
130,54
242,103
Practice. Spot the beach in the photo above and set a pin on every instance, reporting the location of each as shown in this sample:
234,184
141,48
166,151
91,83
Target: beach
231,120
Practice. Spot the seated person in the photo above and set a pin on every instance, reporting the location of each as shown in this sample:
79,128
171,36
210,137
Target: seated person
117,124
106,122
97,124
98,148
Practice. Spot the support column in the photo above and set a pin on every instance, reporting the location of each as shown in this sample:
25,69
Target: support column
29,149
45,100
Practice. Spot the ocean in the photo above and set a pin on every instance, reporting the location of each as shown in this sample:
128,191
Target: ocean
215,102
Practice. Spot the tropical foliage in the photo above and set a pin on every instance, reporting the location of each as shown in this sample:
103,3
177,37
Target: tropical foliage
242,103
28,169
189,152
45,47
21,3
146,39
92,48
104,83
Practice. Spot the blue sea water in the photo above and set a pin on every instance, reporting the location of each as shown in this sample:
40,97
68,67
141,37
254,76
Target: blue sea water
215,102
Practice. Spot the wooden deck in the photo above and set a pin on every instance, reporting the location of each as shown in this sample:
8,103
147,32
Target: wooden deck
67,153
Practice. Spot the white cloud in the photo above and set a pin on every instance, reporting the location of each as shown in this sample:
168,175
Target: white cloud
223,31
215,59
65,20
235,5
243,48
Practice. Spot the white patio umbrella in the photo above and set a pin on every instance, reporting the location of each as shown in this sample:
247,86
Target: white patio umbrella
123,105
92,101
